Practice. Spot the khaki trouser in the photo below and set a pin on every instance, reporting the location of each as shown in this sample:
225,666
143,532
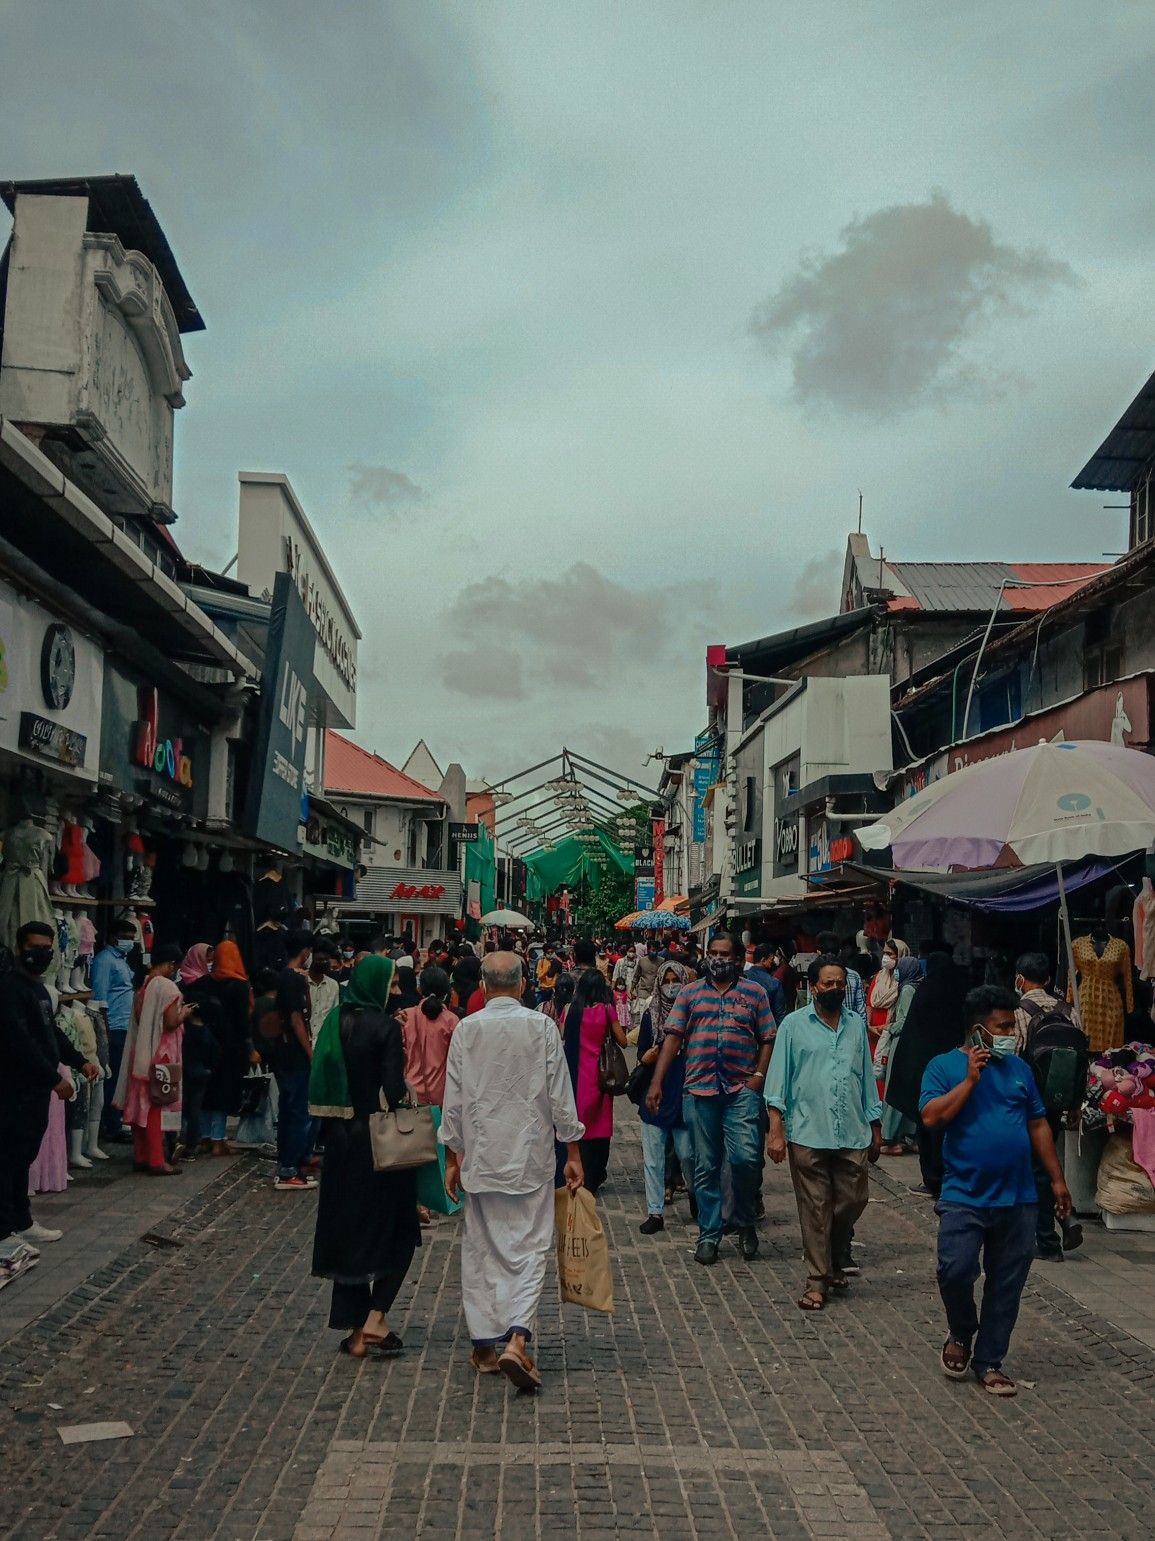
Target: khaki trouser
831,1188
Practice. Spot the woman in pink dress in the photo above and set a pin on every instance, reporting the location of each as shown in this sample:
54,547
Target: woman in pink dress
155,1037
590,1019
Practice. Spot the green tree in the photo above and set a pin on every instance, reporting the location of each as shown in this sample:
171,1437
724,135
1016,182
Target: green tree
597,909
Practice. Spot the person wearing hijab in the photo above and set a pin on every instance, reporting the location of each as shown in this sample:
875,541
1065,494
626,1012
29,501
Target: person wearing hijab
154,1038
407,995
466,984
898,1131
367,1228
933,1026
882,999
667,1123
232,1023
195,964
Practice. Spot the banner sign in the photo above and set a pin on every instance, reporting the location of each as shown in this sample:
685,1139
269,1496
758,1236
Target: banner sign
464,834
277,774
705,775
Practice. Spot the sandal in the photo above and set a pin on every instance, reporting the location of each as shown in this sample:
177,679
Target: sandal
892,1150
996,1384
388,1347
483,1366
955,1359
840,1282
813,1300
519,1368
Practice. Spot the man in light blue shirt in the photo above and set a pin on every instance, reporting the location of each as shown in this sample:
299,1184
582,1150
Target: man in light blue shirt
825,1114
112,991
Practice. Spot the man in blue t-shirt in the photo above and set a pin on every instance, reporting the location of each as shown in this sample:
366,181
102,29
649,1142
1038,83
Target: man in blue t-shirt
986,1099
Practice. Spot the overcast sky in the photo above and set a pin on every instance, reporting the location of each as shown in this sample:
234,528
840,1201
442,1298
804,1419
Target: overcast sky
577,327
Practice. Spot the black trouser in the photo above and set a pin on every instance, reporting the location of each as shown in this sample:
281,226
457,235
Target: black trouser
111,1121
930,1157
195,1088
23,1120
352,1303
595,1156
1047,1238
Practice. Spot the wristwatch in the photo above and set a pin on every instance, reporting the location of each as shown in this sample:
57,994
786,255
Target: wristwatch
757,1075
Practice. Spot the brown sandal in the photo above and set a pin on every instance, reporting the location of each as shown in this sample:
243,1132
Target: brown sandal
956,1363
813,1300
996,1384
519,1368
483,1366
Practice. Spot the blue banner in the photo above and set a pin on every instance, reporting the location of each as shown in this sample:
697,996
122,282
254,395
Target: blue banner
705,775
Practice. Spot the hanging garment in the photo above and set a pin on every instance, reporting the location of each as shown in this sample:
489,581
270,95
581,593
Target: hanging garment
23,880
1144,922
1105,989
1143,1140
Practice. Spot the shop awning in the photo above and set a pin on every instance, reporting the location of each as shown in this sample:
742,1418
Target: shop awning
1001,888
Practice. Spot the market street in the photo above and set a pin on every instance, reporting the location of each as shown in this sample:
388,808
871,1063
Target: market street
707,1406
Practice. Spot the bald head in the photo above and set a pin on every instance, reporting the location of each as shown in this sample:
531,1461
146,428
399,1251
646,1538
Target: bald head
501,974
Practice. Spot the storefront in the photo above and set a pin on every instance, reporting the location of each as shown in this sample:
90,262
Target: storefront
421,902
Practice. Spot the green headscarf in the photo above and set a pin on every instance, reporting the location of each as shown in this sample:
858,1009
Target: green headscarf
368,990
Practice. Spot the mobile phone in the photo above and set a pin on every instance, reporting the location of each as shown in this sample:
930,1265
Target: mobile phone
976,1040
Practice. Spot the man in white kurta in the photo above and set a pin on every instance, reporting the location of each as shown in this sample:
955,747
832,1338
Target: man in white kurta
507,1097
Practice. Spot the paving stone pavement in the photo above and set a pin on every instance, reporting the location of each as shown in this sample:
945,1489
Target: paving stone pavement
707,1406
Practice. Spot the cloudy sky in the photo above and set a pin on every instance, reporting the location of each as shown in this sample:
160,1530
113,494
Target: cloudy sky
577,328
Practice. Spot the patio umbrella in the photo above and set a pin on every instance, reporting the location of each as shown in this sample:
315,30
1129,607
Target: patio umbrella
512,920
1050,803
660,920
627,920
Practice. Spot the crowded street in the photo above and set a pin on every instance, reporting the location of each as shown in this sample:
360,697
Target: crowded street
707,1405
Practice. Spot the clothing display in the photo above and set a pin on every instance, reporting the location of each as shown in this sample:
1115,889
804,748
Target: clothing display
1143,918
49,1172
1103,966
24,896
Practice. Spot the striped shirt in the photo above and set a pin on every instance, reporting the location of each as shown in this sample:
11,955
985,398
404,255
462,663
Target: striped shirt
724,1033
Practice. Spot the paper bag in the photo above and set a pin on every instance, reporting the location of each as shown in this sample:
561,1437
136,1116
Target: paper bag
583,1258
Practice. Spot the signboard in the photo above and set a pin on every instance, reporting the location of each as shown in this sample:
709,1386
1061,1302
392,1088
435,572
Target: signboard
748,829
705,775
50,686
275,537
51,740
329,841
464,834
643,893
659,836
277,772
784,857
151,745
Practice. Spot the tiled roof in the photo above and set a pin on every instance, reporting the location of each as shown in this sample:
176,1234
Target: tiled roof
975,585
349,768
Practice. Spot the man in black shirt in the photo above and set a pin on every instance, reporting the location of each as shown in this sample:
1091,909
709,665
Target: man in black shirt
31,1049
291,1057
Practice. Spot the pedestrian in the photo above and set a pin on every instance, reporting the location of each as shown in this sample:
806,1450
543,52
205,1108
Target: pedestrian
883,997
760,972
547,971
154,1039
589,1020
324,989
556,1008
1040,1012
32,1048
427,1030
407,994
508,1095
724,1027
113,986
899,1131
466,985
826,1117
933,1025
667,1123
643,980
233,1028
855,988
194,965
366,1231
986,1098
200,1054
290,1053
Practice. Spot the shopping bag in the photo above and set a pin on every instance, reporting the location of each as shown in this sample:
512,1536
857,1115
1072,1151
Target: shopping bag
402,1138
583,1257
431,1179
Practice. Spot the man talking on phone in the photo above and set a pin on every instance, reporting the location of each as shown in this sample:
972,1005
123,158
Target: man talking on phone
985,1098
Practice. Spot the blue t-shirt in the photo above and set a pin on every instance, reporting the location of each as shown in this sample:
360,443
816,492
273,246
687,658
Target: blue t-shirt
987,1148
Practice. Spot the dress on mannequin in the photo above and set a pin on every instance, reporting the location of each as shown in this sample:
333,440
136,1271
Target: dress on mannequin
24,879
1103,964
1144,922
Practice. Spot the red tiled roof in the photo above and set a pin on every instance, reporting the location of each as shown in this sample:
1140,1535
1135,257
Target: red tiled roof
349,768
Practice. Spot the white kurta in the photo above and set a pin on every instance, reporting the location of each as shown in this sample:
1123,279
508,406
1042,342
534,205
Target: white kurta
507,1096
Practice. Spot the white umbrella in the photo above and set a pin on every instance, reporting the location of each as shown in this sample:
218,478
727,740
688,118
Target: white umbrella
511,920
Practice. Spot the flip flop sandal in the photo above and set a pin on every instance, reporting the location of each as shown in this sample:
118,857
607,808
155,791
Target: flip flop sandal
812,1301
959,1367
520,1370
996,1384
485,1366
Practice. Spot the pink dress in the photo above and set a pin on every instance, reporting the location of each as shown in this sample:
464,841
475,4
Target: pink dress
594,1107
149,1043
49,1172
426,1051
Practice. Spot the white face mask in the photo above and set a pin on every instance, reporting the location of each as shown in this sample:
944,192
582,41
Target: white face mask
888,961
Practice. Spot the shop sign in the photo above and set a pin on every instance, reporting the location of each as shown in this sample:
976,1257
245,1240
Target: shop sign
329,633
464,834
414,891
329,842
643,861
785,854
150,745
748,834
164,756
277,774
705,775
51,740
643,893
659,836
818,856
50,685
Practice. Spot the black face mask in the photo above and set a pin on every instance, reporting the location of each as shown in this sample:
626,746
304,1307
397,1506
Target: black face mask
830,1000
37,958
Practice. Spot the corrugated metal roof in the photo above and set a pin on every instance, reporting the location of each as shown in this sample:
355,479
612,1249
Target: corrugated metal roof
349,768
1127,449
787,646
974,586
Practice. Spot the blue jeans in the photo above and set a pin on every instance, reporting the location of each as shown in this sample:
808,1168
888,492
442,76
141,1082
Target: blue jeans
1005,1238
654,1159
216,1126
294,1126
726,1125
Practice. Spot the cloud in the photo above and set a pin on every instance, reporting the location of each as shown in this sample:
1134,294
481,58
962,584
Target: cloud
877,326
815,591
381,487
574,632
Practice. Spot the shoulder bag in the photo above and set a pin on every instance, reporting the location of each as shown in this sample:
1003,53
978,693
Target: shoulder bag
163,1085
402,1138
613,1072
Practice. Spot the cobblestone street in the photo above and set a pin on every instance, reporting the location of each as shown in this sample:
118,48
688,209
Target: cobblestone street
707,1406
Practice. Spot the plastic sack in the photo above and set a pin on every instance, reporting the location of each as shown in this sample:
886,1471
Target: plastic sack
1122,1188
583,1256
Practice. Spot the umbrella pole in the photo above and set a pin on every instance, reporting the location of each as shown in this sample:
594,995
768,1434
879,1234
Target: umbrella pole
1065,924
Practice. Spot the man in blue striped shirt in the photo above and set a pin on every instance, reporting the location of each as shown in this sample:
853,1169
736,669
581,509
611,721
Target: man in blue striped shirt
724,1026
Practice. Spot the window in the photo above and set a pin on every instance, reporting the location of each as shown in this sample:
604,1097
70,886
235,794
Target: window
1142,512
1102,665
367,820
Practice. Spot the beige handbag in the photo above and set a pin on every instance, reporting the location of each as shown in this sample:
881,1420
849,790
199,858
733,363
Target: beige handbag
402,1138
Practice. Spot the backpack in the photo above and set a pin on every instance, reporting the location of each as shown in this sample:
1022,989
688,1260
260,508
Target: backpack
1058,1053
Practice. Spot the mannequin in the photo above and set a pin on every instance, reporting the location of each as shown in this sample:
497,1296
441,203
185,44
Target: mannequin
1144,922
1106,992
82,973
28,850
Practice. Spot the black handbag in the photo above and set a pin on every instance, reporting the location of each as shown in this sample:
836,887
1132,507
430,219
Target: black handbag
639,1083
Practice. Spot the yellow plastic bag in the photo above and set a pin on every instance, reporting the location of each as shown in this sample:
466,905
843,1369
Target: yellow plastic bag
583,1258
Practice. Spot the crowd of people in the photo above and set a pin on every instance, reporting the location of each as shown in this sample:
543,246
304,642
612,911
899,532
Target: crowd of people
743,1055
